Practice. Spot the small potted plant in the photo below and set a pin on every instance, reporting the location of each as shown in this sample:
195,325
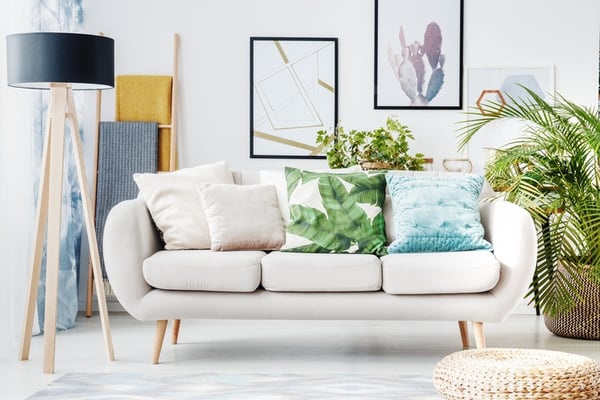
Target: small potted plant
382,148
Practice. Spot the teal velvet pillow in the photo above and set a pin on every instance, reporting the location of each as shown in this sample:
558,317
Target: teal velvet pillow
335,213
435,213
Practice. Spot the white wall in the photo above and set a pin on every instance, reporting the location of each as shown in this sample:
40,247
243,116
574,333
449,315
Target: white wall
214,82
214,62
16,185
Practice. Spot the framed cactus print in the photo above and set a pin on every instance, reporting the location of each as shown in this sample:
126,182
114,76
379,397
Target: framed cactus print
418,54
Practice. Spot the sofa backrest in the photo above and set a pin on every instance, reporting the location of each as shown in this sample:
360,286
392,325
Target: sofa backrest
277,178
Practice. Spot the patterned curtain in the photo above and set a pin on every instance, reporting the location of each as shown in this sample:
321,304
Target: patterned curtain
60,16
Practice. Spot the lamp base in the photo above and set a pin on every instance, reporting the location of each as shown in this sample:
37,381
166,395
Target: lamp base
48,215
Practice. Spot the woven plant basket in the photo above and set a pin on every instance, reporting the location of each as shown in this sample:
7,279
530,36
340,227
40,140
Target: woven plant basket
374,165
583,321
516,374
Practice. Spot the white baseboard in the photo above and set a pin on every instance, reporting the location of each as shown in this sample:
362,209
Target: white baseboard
112,304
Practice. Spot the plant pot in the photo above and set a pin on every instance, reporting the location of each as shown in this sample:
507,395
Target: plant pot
583,321
370,165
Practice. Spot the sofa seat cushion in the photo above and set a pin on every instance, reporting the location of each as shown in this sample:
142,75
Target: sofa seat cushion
231,271
317,272
436,273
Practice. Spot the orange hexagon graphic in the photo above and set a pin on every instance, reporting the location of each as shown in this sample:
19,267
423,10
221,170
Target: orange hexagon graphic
490,95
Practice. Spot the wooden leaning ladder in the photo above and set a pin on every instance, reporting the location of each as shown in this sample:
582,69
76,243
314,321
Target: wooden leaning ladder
172,153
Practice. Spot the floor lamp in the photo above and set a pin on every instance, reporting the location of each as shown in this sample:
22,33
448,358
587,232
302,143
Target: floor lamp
60,62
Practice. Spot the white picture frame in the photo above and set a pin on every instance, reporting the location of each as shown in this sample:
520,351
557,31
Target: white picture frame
501,84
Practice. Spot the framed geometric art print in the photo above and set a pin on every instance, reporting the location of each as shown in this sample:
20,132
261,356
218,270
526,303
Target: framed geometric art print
502,85
293,94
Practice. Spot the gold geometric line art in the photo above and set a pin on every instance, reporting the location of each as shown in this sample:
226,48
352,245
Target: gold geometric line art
290,69
326,86
281,52
290,66
301,87
305,96
316,151
281,140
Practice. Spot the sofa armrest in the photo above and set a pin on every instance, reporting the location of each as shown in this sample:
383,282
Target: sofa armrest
511,231
130,237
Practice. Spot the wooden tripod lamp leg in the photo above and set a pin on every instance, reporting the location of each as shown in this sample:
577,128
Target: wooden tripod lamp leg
57,142
41,216
48,214
90,231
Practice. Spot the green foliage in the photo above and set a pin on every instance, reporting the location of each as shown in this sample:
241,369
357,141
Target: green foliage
388,144
553,171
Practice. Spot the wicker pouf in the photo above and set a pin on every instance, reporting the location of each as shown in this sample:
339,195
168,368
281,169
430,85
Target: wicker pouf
516,374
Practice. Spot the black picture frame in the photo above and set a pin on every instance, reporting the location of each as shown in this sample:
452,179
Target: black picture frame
418,54
293,95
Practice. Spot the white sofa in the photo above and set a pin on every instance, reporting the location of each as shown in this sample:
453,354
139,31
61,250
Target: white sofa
154,284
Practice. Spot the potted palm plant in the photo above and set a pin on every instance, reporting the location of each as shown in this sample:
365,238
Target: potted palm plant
553,171
386,147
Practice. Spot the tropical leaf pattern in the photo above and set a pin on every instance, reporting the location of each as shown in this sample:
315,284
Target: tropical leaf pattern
335,213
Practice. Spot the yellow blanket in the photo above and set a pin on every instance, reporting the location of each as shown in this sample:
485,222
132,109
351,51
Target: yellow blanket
147,98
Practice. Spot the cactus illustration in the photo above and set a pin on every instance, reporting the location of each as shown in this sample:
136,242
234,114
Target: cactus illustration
410,69
432,44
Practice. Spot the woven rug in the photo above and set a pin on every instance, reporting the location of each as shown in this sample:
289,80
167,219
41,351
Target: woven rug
238,386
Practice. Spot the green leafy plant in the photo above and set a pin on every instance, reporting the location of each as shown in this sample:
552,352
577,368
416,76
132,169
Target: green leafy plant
553,171
388,145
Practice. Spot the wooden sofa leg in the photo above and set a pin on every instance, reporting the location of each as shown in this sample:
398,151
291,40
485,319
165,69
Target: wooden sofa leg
175,333
159,336
479,334
464,334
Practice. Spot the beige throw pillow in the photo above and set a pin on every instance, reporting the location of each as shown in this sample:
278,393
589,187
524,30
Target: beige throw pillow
242,217
173,202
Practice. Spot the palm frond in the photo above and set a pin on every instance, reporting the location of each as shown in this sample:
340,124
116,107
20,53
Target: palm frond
552,170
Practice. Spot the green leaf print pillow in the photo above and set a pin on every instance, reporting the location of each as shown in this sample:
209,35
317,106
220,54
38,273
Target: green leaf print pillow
335,213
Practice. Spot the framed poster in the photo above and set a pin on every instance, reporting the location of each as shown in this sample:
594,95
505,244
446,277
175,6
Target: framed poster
418,54
501,85
293,95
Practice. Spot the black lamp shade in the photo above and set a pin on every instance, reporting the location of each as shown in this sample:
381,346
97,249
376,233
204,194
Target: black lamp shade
37,59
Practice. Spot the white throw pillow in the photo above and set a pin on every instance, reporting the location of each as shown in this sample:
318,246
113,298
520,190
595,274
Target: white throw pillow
175,206
242,217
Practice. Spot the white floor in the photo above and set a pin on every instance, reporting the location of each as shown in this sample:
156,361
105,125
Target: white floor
270,346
